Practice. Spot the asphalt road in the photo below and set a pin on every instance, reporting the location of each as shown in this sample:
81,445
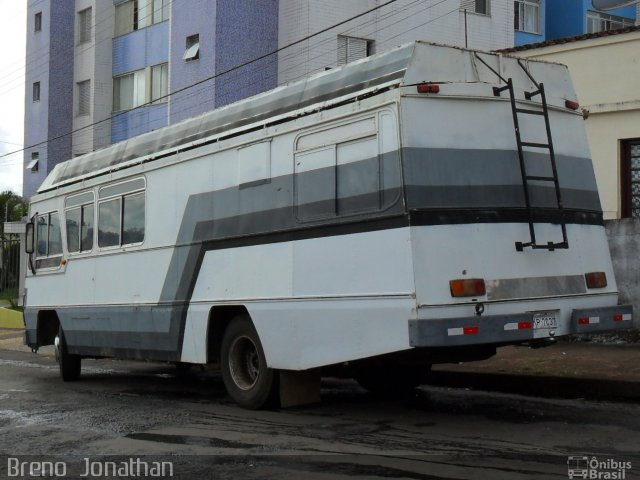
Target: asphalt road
126,410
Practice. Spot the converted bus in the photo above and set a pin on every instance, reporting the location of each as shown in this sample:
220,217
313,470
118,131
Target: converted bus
424,205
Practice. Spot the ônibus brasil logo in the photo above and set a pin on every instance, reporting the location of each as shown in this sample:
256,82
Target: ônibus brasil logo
581,466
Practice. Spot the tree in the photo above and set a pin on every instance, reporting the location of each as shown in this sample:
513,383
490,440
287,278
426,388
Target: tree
12,207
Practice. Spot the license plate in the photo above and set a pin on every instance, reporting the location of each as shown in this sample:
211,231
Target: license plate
545,320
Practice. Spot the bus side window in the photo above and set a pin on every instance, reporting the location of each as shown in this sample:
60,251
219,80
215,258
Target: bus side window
49,240
121,214
79,222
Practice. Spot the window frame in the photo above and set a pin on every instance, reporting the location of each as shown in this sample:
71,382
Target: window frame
37,22
346,39
48,261
80,206
521,16
471,6
133,73
121,196
192,48
85,31
134,22
79,86
36,92
34,164
626,177
164,94
384,204
601,18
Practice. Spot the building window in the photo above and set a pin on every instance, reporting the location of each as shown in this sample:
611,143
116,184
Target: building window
37,22
527,16
159,83
121,214
133,15
161,10
36,91
84,26
129,91
602,22
84,97
475,6
351,49
630,181
33,165
192,49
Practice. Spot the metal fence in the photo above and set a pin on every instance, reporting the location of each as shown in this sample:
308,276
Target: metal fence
9,266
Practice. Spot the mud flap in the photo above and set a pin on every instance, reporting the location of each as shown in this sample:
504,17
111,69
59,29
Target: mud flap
299,388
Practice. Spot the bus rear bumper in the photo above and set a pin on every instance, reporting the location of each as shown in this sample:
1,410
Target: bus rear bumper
514,328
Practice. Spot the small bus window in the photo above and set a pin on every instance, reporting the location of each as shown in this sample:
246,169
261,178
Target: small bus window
48,240
121,218
80,223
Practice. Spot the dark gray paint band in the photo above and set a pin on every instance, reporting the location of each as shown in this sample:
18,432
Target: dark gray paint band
266,213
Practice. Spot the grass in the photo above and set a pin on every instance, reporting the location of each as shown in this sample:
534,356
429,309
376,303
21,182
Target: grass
10,318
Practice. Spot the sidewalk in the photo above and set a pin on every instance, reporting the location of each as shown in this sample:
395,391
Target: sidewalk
567,369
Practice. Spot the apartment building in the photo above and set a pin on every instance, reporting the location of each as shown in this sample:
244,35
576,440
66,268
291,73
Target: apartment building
104,69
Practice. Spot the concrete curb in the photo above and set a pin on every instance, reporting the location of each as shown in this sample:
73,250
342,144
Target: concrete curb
11,319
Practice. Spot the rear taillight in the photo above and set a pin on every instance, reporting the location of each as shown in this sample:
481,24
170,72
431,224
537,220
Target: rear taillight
571,104
467,287
428,88
596,279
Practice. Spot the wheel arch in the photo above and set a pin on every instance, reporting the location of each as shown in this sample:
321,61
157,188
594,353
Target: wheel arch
47,326
219,319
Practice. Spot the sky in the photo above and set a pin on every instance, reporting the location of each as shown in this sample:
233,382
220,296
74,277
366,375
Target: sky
13,19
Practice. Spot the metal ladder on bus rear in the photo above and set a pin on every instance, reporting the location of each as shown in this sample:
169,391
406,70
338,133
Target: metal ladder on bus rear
526,178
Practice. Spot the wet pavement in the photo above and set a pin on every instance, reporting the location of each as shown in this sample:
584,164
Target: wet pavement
128,410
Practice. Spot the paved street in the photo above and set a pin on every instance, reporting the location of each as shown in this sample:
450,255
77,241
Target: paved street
122,410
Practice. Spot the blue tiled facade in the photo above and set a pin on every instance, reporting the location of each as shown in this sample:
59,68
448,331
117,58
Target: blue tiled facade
140,49
190,17
135,51
51,116
230,32
136,122
245,29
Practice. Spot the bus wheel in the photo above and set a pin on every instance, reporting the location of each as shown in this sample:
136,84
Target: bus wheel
69,364
246,376
388,382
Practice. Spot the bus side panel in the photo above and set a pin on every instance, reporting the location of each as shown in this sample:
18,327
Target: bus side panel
314,302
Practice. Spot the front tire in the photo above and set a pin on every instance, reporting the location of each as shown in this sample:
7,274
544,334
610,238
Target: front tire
248,380
70,365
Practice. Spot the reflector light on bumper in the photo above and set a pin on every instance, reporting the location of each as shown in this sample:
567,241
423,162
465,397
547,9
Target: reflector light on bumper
596,279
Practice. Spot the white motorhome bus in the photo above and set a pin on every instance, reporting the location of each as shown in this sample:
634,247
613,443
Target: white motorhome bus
424,205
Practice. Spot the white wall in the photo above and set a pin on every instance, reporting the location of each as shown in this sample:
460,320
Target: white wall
401,22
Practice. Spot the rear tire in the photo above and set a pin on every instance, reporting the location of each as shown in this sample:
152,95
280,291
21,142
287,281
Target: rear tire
248,380
70,365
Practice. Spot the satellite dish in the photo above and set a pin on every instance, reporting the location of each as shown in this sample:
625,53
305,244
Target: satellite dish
612,4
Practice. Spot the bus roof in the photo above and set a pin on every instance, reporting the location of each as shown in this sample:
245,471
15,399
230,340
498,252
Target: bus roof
408,64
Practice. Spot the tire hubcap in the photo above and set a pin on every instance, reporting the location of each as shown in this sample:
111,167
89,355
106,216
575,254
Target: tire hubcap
244,363
56,344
